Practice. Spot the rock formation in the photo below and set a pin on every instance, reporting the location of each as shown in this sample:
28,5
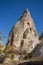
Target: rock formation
38,51
23,36
41,37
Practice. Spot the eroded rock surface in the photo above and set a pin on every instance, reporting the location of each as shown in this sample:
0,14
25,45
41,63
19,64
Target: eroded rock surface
23,36
38,51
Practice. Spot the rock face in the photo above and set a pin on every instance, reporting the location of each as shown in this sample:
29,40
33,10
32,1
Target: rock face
38,51
23,36
41,37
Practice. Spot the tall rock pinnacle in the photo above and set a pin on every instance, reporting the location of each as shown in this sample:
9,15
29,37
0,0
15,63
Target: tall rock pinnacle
24,35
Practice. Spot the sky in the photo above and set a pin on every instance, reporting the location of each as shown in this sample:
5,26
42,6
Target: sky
11,11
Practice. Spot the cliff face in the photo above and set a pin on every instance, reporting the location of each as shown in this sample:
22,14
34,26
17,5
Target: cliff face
38,51
24,35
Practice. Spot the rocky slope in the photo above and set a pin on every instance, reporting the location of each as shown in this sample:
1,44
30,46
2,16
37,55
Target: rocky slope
23,36
38,51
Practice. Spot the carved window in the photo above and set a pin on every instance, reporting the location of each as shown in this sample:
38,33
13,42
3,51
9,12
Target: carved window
22,42
28,23
25,33
30,29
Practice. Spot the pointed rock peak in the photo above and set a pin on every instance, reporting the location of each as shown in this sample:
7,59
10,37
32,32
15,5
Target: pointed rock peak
25,15
27,12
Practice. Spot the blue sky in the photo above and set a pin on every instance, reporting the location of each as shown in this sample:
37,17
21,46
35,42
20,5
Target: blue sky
11,11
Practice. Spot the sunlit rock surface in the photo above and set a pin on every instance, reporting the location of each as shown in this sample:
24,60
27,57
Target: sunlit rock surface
23,35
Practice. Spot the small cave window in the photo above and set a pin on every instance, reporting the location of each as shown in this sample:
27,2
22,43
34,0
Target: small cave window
22,42
25,33
28,23
30,29
24,36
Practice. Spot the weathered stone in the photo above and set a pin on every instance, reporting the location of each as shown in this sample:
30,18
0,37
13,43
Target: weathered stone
38,51
24,35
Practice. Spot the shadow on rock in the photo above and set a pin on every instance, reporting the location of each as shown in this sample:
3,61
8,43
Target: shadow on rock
32,63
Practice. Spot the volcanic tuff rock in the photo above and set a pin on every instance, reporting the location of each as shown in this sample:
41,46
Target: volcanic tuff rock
38,51
41,37
23,36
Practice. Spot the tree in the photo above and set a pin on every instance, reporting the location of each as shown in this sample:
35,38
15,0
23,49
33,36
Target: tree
0,43
11,52
6,49
0,49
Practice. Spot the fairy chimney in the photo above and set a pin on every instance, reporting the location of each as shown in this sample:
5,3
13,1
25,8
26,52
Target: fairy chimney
23,34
